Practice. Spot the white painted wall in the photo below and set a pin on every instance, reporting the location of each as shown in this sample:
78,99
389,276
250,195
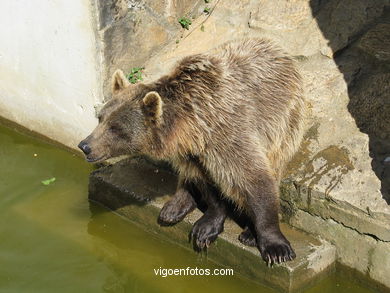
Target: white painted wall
49,67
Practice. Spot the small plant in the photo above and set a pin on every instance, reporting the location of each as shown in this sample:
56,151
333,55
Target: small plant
206,10
48,181
202,28
135,74
185,22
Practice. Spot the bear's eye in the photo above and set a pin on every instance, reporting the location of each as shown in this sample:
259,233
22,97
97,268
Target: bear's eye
114,129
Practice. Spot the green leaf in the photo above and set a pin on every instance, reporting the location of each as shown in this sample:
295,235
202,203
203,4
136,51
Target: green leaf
135,74
185,22
48,181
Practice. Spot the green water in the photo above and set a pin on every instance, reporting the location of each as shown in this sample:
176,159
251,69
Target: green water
53,240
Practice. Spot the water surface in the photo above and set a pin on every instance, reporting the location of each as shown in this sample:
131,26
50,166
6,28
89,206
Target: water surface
53,240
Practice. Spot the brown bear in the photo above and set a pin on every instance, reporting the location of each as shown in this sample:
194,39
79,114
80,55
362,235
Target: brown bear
228,121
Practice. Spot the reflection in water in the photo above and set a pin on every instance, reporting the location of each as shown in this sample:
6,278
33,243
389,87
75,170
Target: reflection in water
53,240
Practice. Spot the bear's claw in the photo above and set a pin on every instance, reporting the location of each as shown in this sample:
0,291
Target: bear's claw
276,251
246,237
174,211
205,231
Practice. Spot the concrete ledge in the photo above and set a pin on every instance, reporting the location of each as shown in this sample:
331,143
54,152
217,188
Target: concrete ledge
316,202
361,239
137,189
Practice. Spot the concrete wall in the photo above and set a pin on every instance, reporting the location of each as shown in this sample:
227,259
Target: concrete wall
49,67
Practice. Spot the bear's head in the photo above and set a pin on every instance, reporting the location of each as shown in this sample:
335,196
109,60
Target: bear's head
126,122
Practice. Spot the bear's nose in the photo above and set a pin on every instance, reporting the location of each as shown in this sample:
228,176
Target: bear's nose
84,147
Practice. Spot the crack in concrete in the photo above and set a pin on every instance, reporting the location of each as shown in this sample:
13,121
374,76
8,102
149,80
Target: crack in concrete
344,225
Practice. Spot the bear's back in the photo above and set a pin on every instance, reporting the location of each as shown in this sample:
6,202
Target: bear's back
243,94
261,76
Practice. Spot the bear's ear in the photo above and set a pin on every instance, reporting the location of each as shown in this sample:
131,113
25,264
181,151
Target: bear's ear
119,81
152,108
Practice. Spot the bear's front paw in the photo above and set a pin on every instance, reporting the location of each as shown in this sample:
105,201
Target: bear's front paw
205,231
275,249
246,237
174,211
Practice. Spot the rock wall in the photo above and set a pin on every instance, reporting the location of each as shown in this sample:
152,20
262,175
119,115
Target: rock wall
340,179
341,176
132,31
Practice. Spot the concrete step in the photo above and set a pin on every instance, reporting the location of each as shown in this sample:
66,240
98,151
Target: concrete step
137,189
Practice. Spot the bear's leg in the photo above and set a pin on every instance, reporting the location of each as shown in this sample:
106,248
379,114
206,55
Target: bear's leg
178,207
262,208
247,238
210,225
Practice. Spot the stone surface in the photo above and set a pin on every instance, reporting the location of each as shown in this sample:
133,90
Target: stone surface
369,92
132,31
342,21
290,23
376,42
137,190
362,252
380,263
124,44
353,248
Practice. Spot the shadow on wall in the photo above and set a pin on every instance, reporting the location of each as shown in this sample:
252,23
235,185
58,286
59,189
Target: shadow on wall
358,32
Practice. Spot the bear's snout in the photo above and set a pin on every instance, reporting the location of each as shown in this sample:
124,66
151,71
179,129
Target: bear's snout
83,145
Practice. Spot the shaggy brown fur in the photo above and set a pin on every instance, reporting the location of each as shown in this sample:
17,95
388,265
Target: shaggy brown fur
230,119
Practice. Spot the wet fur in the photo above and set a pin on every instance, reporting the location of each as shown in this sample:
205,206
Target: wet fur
238,110
229,118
